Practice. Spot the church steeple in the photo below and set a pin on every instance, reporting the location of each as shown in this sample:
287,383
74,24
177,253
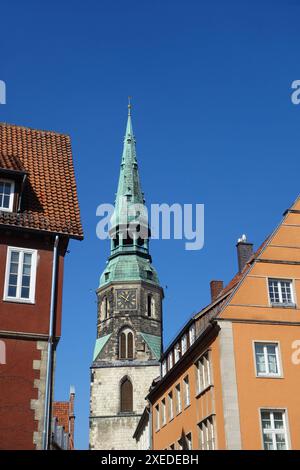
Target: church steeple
129,317
129,187
129,254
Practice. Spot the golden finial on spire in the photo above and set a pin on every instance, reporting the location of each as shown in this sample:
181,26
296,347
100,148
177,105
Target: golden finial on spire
129,105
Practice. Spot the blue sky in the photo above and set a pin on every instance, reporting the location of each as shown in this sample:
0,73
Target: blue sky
213,119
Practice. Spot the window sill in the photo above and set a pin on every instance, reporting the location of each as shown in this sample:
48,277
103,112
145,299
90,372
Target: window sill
204,390
278,305
18,301
269,376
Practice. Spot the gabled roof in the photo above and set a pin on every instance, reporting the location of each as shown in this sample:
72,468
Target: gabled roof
49,199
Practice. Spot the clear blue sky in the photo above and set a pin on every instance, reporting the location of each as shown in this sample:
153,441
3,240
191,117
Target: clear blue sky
213,120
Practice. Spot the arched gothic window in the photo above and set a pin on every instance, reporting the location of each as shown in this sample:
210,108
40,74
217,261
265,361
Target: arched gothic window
126,395
126,345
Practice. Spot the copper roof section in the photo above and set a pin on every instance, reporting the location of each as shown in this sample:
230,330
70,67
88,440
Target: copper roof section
49,198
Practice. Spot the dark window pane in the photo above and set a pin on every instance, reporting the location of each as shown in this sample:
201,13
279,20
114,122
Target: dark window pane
25,292
14,257
12,291
130,345
13,279
26,281
126,396
123,346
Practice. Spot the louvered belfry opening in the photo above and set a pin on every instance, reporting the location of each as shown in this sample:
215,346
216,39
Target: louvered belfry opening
130,346
126,345
126,395
123,346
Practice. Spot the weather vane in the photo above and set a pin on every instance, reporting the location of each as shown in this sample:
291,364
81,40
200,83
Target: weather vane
129,105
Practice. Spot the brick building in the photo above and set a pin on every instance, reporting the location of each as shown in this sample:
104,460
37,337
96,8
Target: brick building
39,214
63,423
229,379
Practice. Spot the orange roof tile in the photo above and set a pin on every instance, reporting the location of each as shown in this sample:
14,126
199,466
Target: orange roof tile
49,200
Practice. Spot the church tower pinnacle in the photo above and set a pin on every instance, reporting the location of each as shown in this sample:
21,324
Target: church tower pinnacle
129,317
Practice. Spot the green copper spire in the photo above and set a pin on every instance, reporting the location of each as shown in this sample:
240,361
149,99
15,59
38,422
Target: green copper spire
129,258
129,182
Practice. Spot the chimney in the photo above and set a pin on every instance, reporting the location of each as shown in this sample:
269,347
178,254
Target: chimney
244,251
215,289
71,417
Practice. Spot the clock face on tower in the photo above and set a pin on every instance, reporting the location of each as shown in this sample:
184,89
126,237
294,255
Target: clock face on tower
126,299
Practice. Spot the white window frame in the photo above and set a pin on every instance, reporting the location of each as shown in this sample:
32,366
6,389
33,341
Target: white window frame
11,197
18,298
184,344
206,429
163,412
192,334
164,368
279,280
278,359
178,399
157,418
203,366
170,405
272,430
187,391
189,441
177,352
170,360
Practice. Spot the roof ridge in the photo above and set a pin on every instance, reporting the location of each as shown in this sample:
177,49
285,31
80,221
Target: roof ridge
51,132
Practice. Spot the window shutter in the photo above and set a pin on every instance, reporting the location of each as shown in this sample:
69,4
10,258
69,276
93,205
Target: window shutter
126,396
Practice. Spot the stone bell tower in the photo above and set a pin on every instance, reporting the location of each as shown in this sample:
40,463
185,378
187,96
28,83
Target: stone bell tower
129,340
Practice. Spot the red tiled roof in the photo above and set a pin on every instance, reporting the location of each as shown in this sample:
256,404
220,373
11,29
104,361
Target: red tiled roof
49,200
10,162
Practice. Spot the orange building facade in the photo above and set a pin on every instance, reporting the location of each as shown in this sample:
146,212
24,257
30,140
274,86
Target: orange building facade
231,378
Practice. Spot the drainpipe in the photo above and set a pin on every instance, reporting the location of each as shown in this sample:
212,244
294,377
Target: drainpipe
150,427
49,371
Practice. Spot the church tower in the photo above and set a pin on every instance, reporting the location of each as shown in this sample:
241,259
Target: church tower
129,319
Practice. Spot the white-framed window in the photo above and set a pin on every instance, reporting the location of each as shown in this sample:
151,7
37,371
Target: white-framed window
20,275
7,189
157,418
274,429
281,291
163,412
267,359
164,367
183,344
206,434
178,399
170,360
203,372
186,391
177,352
171,407
189,441
192,334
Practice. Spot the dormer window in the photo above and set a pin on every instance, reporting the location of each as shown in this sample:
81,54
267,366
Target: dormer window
7,188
